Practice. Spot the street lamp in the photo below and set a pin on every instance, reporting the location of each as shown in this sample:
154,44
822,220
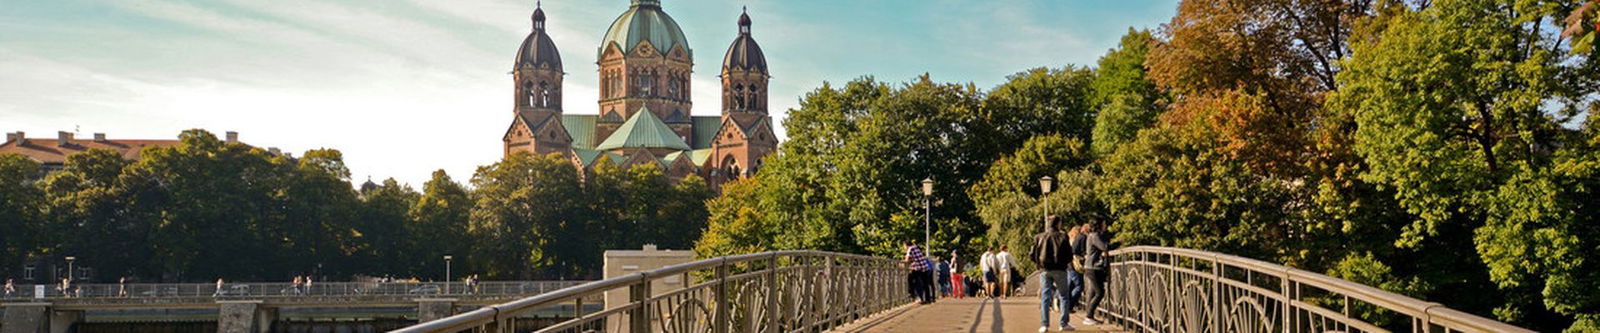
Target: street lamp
447,259
927,214
69,267
1045,184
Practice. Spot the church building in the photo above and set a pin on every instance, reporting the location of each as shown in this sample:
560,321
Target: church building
644,65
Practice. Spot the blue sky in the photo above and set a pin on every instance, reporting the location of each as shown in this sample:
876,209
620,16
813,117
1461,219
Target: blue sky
405,87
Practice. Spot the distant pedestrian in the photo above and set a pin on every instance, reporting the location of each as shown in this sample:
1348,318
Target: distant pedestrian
219,289
295,286
122,287
920,273
1004,264
1097,268
1052,251
1075,275
308,284
986,264
66,288
957,284
11,287
944,278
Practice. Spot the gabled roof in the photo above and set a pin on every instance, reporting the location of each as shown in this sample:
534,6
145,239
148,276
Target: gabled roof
588,157
581,127
705,130
643,130
700,156
50,151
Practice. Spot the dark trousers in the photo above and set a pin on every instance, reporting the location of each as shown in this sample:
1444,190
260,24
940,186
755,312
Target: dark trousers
921,283
1095,283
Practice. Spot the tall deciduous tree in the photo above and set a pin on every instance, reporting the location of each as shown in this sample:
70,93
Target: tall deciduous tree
1126,98
520,205
20,209
439,223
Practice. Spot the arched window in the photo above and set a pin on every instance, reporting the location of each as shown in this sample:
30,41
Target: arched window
544,94
738,97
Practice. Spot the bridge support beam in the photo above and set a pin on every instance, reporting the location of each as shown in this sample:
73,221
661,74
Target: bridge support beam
25,318
244,317
430,309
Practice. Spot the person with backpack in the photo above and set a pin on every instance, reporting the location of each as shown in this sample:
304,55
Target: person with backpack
1097,268
1052,252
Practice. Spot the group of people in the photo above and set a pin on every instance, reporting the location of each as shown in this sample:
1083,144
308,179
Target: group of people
1075,263
999,270
301,284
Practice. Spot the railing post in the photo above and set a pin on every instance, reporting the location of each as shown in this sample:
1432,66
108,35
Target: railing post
1288,297
639,293
1216,294
721,318
772,294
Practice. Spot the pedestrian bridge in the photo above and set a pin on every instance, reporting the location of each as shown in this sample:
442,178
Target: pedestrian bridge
254,307
1151,289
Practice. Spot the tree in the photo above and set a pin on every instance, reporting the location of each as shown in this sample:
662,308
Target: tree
520,204
208,203
1126,99
20,208
439,222
1460,109
383,229
321,212
737,224
85,214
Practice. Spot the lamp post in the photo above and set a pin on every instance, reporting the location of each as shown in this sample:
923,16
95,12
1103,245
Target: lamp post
69,267
927,214
447,259
1045,185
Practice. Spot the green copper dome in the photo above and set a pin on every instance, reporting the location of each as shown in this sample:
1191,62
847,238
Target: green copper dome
644,21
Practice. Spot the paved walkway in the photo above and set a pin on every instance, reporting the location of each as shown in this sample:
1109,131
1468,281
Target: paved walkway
1017,314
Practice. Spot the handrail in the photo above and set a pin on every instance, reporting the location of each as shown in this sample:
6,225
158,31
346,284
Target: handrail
270,290
1184,290
778,291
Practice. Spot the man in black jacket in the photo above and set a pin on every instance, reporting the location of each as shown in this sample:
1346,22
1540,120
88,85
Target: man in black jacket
1052,252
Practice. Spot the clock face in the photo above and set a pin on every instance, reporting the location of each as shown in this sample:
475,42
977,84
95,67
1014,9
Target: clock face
645,50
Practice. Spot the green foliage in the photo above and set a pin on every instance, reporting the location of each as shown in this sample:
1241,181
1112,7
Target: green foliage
1126,99
522,205
438,222
21,207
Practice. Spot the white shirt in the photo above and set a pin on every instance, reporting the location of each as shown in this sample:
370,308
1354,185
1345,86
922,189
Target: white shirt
986,264
1005,261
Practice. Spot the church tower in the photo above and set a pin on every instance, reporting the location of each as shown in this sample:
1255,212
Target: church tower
645,63
537,75
746,134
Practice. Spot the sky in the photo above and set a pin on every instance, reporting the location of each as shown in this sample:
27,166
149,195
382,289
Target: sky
405,87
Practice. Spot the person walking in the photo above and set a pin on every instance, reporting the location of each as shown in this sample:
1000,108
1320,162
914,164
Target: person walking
920,272
11,287
1097,267
943,274
1052,251
122,287
218,293
957,285
1075,275
986,265
1004,263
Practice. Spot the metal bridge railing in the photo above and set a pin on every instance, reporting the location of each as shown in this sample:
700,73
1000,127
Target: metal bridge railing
783,291
1160,289
257,290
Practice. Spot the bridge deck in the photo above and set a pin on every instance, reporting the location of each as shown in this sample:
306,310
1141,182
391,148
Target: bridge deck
1016,314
